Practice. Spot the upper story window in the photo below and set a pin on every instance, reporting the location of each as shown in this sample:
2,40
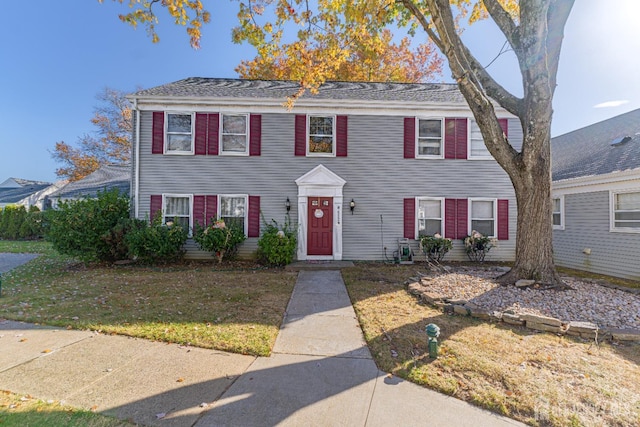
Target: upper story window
233,210
430,138
321,135
179,133
430,216
557,208
482,216
477,149
625,215
177,209
234,135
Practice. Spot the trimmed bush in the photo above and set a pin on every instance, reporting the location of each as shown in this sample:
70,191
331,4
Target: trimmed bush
221,239
277,245
90,229
156,242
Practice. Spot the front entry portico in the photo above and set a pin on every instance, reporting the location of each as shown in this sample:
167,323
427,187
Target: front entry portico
320,215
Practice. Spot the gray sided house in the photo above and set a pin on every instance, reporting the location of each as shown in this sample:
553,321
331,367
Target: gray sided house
107,177
596,195
355,167
24,192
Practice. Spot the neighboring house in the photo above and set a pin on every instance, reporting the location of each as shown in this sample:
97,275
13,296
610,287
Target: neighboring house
359,165
596,197
16,192
107,177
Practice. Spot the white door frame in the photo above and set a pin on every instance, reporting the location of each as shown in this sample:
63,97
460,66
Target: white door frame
320,182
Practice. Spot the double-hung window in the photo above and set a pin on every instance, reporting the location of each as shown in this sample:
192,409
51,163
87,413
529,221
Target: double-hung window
557,208
177,210
179,133
234,135
321,135
477,148
233,210
482,216
625,211
430,216
430,138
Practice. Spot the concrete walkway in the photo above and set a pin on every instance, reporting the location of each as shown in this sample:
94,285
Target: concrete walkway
320,373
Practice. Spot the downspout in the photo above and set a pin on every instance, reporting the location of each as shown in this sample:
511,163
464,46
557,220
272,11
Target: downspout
137,159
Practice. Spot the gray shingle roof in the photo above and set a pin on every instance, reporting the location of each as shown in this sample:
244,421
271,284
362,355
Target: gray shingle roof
14,195
200,87
107,177
588,151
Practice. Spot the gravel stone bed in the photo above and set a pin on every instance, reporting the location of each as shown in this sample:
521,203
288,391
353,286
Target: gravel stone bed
587,302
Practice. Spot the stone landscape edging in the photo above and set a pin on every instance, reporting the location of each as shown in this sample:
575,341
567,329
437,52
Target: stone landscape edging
535,322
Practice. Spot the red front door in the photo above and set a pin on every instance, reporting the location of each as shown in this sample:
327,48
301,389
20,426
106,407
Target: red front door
320,232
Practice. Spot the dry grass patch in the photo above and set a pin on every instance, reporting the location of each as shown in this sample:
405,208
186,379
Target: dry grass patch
233,307
537,378
20,411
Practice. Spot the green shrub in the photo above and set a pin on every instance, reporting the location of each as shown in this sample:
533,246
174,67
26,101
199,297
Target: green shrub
89,228
11,222
477,245
156,242
435,247
219,238
277,245
33,225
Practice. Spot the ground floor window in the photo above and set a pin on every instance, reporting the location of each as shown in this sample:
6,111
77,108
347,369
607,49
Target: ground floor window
233,210
558,212
482,216
626,211
177,209
430,216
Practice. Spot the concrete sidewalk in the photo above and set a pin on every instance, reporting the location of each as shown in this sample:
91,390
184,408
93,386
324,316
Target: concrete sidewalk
320,373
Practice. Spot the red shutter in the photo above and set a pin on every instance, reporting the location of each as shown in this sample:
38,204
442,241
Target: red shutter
211,209
410,218
455,138
212,133
157,144
301,135
455,218
255,132
462,218
409,137
503,219
341,136
198,210
202,125
504,124
253,229
450,215
155,206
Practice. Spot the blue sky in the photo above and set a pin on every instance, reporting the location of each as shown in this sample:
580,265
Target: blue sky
56,56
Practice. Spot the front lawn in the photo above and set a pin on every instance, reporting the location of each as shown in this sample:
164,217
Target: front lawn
232,307
538,378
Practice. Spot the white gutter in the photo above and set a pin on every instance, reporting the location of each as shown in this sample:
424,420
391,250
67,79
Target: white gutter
137,160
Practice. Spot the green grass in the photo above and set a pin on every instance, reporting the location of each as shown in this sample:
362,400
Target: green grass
25,411
233,307
26,246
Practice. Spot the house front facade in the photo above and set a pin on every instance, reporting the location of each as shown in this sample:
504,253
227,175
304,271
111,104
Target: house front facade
596,197
354,168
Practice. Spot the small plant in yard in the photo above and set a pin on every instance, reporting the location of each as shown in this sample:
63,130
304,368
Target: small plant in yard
156,242
435,247
219,238
277,245
477,245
